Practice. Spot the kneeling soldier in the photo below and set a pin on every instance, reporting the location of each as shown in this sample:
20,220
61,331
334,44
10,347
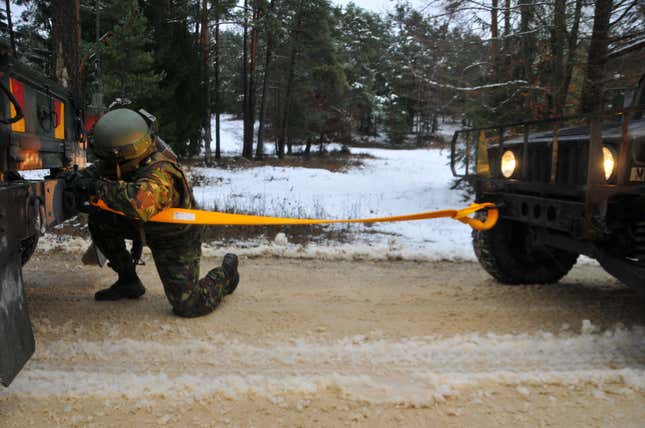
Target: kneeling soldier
139,176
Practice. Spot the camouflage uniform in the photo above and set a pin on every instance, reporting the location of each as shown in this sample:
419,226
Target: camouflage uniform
157,184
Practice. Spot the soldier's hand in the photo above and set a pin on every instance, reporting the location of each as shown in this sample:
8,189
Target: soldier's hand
84,188
69,177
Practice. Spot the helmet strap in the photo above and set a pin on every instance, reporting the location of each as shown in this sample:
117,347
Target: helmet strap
131,165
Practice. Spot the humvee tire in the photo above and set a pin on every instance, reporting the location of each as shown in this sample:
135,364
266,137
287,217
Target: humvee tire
27,248
508,253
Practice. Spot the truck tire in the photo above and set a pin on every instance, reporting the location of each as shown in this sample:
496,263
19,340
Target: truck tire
27,248
508,253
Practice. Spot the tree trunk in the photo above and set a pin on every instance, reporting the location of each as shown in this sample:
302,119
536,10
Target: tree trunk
66,39
528,49
494,35
287,103
507,28
277,102
558,41
291,73
12,37
206,81
245,84
593,86
571,54
250,112
259,153
218,153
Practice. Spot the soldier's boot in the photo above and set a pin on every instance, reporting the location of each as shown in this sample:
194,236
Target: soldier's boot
229,265
223,279
128,286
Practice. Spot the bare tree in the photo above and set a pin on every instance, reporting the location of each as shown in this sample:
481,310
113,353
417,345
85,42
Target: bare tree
217,6
494,36
557,66
206,81
66,38
246,150
593,84
259,153
284,135
249,114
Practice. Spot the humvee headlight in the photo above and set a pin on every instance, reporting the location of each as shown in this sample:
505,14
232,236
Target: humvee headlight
508,164
609,162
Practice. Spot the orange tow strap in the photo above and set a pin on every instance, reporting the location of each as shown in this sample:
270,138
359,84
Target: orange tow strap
186,216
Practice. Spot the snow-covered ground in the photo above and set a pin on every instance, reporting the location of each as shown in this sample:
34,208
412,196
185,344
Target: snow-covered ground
394,182
448,127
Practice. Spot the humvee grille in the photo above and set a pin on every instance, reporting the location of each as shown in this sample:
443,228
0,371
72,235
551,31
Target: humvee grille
539,163
572,163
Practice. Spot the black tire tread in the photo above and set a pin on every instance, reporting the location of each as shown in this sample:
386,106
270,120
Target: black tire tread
27,248
511,266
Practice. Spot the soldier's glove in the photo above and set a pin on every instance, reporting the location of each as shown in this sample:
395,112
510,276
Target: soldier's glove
69,177
84,188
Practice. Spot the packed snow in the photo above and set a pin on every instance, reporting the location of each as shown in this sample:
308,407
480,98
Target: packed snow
418,370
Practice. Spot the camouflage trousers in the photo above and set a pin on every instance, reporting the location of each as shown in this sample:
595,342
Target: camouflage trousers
176,251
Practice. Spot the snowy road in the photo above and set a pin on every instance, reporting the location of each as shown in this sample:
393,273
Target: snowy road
305,342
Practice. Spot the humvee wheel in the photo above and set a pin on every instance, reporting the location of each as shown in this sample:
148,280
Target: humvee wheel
509,254
27,248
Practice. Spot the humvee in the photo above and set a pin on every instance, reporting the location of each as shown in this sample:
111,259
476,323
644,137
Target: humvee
565,186
41,128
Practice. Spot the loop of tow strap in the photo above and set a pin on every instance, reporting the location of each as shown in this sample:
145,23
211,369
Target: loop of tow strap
492,215
201,217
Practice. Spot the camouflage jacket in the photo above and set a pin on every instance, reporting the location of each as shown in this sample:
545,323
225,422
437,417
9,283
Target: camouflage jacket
157,184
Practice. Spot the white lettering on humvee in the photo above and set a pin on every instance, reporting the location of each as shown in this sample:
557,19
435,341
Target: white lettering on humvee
637,174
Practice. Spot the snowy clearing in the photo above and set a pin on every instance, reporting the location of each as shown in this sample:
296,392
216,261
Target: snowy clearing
395,182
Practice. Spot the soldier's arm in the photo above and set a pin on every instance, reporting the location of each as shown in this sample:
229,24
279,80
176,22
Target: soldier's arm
89,172
141,199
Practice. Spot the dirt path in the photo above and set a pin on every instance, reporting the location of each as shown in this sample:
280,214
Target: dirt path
305,343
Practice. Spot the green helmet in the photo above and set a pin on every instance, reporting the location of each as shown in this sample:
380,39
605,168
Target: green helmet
121,135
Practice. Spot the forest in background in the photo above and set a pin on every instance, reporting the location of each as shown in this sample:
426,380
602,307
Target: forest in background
306,72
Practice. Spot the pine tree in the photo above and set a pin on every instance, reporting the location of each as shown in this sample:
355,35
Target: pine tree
363,37
129,73
175,49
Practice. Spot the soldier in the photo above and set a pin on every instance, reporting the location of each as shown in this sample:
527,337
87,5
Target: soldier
139,176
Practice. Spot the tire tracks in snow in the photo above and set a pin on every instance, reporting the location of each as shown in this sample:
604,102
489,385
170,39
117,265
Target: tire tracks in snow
417,370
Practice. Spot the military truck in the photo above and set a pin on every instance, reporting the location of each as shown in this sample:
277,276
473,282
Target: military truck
565,186
41,129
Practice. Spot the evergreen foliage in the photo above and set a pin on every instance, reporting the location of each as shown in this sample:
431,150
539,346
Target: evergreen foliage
127,58
342,73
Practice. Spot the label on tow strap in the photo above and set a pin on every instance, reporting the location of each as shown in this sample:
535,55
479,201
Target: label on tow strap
183,216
